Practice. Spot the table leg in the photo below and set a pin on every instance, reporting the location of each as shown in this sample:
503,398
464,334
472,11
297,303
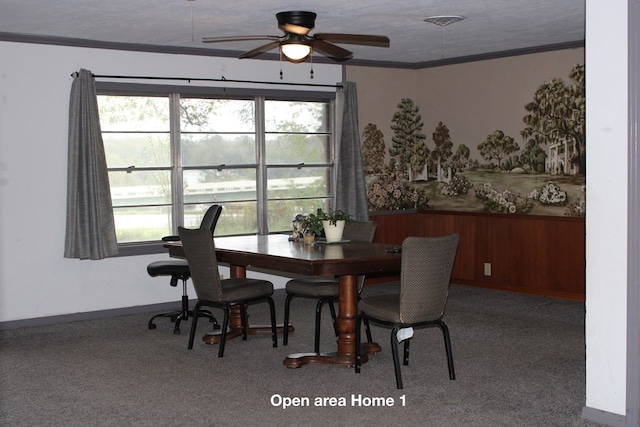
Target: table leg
346,322
235,318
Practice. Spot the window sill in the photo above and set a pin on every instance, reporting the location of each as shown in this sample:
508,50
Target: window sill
147,248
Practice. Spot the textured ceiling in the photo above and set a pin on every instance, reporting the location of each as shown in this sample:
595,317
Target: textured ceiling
489,26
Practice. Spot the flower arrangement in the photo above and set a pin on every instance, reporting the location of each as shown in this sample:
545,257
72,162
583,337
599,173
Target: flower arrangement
579,206
550,194
388,193
304,224
458,185
504,201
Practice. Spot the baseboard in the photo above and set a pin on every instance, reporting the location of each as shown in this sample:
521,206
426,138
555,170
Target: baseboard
90,315
100,314
603,417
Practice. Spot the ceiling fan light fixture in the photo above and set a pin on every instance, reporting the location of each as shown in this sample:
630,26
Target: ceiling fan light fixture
295,51
443,20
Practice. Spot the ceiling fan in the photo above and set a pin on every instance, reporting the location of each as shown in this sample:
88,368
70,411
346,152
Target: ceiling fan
296,44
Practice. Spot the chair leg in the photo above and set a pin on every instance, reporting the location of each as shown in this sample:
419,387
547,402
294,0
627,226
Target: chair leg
243,321
405,355
285,333
358,361
447,347
396,357
368,330
316,341
194,323
332,308
223,332
274,328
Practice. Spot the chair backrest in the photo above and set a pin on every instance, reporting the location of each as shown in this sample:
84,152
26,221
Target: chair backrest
201,255
427,263
360,231
210,218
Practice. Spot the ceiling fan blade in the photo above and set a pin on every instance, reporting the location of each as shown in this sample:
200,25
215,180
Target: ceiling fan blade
237,38
361,39
331,50
259,50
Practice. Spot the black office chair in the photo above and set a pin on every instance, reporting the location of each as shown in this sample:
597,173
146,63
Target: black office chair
427,263
326,289
179,270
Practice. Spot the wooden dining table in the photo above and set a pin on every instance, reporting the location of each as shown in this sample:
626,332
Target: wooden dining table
277,252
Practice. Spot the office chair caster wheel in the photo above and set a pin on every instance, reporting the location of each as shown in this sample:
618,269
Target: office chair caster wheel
152,326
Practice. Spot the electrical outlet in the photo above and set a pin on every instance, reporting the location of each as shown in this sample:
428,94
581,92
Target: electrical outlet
487,269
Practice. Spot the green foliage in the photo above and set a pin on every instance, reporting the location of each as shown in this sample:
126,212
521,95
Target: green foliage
443,142
461,157
557,114
497,146
373,148
333,216
408,142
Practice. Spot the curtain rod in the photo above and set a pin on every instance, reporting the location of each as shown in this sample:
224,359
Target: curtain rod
223,79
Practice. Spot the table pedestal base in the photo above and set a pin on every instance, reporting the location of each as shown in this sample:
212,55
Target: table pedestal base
297,360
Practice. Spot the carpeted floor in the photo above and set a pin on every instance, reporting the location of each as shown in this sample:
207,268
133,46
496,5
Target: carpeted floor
519,360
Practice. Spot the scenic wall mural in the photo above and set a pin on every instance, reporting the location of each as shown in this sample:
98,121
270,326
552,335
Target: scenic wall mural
541,171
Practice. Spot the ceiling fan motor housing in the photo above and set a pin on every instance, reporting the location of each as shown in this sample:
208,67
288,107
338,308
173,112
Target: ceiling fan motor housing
299,18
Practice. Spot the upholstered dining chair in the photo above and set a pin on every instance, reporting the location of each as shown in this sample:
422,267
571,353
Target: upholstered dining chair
219,293
179,271
426,268
326,289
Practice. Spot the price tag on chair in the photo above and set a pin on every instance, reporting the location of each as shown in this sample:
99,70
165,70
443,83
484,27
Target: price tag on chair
404,334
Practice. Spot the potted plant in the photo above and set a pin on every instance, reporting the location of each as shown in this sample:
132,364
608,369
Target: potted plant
333,223
311,226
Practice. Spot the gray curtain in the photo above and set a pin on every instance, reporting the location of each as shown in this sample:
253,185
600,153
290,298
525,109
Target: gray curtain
90,232
351,190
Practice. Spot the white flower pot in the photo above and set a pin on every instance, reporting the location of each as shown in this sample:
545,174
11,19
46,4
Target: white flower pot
333,233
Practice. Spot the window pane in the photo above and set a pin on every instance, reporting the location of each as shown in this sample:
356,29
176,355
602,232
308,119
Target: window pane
140,188
137,149
298,183
193,215
216,115
202,186
298,148
237,218
142,224
296,116
211,149
133,113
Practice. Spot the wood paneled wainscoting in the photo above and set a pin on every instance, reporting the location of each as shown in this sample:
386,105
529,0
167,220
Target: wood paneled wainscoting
542,255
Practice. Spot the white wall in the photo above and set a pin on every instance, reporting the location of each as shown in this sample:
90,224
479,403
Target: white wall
35,279
606,222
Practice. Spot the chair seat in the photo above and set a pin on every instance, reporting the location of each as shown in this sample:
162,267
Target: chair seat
245,288
383,307
313,287
168,268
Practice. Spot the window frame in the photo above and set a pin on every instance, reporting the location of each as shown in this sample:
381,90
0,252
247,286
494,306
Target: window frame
258,96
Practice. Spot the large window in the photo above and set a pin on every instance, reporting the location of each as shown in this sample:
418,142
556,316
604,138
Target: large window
170,157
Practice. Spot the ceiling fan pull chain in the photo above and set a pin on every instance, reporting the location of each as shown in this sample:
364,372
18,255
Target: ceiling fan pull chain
281,74
311,60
